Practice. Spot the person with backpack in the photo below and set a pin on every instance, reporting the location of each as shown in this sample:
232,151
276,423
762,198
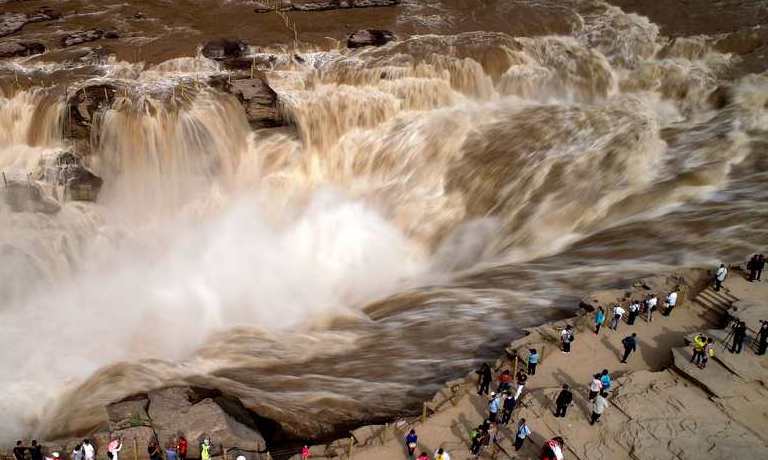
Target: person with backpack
476,440
533,361
505,381
485,377
411,441
493,408
599,319
605,380
630,345
566,338
564,399
521,434
720,275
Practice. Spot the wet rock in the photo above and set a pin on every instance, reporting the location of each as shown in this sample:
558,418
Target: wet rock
321,5
246,63
83,107
257,97
720,97
66,169
19,49
11,23
224,49
201,413
128,413
43,14
84,36
111,34
370,37
27,196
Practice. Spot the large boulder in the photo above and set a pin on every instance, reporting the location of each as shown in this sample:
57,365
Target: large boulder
200,413
83,106
370,37
66,169
224,49
27,196
19,49
13,22
83,36
257,97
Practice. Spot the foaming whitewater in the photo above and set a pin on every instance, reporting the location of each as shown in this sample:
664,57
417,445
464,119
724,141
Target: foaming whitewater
429,199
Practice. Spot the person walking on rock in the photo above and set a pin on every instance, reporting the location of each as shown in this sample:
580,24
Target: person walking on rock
77,452
670,303
762,337
564,399
485,379
618,313
630,345
634,310
475,438
709,352
521,434
521,379
423,456
739,334
441,454
759,266
599,319
595,387
533,361
507,408
566,338
598,407
720,276
411,441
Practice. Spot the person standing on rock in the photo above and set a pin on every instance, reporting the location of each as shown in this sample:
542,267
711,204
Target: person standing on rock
762,337
113,448
153,449
599,319
485,379
521,434
752,267
181,447
618,313
699,343
564,399
521,379
423,456
720,276
650,306
739,334
566,338
476,442
553,449
89,452
605,380
77,452
170,450
36,451
441,454
19,450
670,303
598,407
634,310
595,387
505,381
493,408
411,441
507,408
533,361
709,352
630,345
759,267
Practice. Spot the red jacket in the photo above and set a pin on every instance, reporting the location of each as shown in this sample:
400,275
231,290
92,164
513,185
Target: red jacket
182,446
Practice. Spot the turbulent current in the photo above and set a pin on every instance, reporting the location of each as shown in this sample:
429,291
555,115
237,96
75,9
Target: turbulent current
424,201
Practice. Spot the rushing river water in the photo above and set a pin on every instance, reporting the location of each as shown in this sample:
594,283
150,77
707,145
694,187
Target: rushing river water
430,198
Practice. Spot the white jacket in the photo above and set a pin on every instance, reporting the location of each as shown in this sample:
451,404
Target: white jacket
722,272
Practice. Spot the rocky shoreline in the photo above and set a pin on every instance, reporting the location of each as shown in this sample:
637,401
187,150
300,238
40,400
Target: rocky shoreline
199,412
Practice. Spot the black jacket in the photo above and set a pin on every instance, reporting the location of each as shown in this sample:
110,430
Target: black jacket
564,398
